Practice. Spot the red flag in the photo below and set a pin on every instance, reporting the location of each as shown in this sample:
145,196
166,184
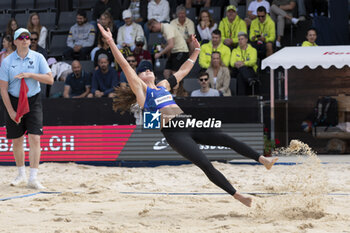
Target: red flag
23,106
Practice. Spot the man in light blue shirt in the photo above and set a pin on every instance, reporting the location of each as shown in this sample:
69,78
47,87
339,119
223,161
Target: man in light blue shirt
33,68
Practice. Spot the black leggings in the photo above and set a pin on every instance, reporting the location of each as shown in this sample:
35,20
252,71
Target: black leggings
184,141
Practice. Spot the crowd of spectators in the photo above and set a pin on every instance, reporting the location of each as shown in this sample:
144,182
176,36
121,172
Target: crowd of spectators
230,47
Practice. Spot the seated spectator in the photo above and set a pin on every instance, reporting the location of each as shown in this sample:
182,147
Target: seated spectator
81,38
34,38
179,90
12,26
279,10
7,47
104,79
316,7
159,10
184,25
244,63
205,26
60,70
133,63
106,20
78,83
230,26
138,10
199,3
219,75
176,46
253,7
214,45
262,33
102,48
205,90
34,25
128,32
115,8
311,37
139,52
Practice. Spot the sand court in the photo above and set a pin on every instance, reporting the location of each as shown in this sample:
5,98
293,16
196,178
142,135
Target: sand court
119,199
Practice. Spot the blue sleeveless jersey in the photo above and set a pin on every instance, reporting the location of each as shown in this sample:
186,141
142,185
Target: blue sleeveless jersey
157,99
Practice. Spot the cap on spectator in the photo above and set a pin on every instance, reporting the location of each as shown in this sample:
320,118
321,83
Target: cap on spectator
102,55
242,34
140,39
231,7
143,66
19,31
51,61
127,14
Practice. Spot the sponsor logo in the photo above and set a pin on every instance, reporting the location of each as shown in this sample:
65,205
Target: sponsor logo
151,120
336,53
163,99
162,145
13,67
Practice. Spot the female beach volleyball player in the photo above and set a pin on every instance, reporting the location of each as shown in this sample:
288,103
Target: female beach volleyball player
183,140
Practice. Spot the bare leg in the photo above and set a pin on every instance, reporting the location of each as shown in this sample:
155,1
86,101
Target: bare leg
245,200
34,153
18,151
267,162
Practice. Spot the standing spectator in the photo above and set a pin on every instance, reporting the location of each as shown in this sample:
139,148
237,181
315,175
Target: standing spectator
219,75
77,84
24,69
205,90
253,7
159,10
214,45
243,61
176,46
138,10
281,10
205,26
34,38
140,53
311,37
263,33
230,26
34,25
114,7
12,26
8,47
184,25
133,63
128,32
104,79
81,38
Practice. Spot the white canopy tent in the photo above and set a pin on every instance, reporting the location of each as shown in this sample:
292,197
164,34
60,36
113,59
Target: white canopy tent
299,57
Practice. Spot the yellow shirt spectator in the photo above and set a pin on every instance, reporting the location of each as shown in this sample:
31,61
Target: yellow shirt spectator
249,56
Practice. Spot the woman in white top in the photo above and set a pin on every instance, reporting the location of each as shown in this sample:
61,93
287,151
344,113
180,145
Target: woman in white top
34,25
206,26
219,75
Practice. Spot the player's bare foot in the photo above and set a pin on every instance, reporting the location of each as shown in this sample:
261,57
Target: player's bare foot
267,162
245,200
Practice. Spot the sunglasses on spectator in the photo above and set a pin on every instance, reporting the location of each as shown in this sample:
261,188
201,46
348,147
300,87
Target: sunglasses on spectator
261,16
131,60
33,39
23,37
203,79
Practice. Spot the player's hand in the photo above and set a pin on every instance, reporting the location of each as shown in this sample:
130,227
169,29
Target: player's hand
105,33
13,117
22,75
195,41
